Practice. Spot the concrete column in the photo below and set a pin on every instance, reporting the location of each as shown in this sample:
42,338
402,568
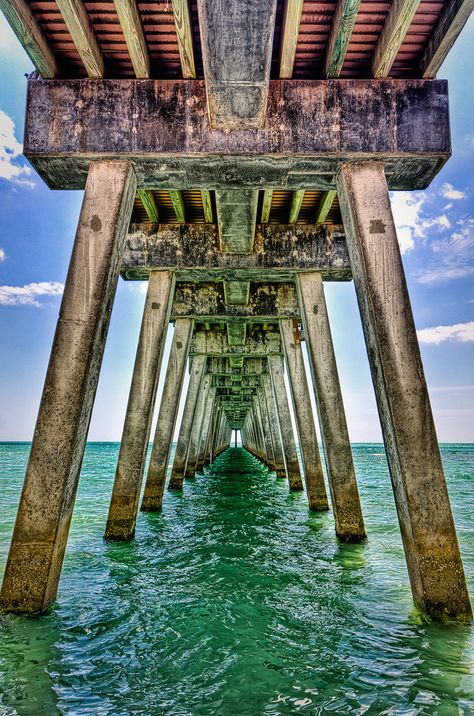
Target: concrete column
158,467
208,414
141,402
424,512
42,525
195,438
267,438
275,364
280,469
313,470
332,419
179,463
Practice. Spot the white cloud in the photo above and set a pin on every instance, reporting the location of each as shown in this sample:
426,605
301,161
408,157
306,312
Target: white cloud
27,295
458,333
3,255
406,207
449,192
10,151
454,255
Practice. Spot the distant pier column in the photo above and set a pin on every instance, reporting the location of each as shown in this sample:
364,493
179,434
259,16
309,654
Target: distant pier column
206,428
158,467
275,364
274,426
141,402
195,438
267,432
179,463
44,515
332,419
313,470
424,512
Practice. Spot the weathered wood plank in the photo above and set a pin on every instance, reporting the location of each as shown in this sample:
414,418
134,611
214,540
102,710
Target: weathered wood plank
296,201
177,200
237,41
324,206
148,201
341,31
77,20
451,21
24,25
207,206
312,127
184,34
392,36
266,205
289,36
131,24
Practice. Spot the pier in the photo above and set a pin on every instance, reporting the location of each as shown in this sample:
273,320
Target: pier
236,181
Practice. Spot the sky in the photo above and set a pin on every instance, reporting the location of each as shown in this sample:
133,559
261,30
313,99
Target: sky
436,236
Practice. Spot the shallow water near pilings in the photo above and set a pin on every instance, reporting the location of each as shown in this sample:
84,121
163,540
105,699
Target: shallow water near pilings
235,600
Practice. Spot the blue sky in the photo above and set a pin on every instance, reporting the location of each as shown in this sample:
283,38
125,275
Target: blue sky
436,234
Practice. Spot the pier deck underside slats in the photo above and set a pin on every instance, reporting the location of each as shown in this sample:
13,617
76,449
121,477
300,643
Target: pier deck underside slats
236,186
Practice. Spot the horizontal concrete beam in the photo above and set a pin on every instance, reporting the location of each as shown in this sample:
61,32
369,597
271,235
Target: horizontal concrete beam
258,344
312,126
193,251
221,366
206,302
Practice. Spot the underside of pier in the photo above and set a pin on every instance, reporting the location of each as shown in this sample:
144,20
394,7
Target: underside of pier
236,155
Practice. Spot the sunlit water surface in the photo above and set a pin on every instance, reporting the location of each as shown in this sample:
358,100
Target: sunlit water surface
236,600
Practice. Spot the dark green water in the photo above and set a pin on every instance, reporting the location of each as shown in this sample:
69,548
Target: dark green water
235,600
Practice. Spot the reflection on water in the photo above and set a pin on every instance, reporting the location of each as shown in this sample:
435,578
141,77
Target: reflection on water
235,600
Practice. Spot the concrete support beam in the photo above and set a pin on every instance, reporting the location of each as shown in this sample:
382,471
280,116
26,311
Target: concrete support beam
52,475
451,21
193,450
308,441
267,433
141,402
275,364
179,464
312,127
426,523
237,42
236,219
259,344
193,251
206,428
279,459
30,35
332,420
158,467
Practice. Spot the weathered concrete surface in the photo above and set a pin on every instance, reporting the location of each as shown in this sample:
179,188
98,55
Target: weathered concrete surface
312,468
259,344
236,219
206,428
275,364
279,460
312,126
157,469
179,463
332,419
193,450
262,416
193,251
42,525
141,402
424,512
237,43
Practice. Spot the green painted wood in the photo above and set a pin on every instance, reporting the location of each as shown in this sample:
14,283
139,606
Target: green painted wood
289,36
296,201
267,205
184,35
392,36
178,205
451,21
21,20
148,201
131,24
341,31
324,206
77,20
207,206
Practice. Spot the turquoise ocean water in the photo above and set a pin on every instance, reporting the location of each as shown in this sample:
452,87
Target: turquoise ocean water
235,600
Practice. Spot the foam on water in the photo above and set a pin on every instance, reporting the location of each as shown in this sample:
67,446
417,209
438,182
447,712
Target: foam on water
235,600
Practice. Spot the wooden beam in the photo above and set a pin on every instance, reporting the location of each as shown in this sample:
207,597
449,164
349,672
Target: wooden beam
23,23
324,206
451,21
184,35
296,201
207,206
341,31
148,201
77,20
176,197
267,205
289,36
131,24
392,36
